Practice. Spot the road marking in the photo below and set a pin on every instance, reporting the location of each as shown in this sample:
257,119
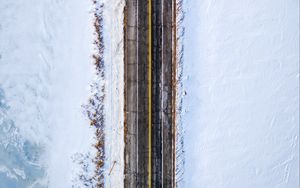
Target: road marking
162,93
174,94
149,92
137,90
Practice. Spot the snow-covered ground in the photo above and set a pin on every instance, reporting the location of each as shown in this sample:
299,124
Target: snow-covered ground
241,111
45,72
114,113
240,114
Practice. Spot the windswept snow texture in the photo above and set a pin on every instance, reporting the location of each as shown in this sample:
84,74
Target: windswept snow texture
45,72
241,68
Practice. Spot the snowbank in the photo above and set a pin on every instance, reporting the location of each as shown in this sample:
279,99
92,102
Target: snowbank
241,119
114,60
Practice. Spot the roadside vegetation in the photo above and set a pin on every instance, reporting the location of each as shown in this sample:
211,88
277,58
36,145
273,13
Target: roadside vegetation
95,107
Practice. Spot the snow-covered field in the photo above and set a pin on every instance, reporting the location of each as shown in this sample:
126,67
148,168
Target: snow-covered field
240,114
45,72
241,111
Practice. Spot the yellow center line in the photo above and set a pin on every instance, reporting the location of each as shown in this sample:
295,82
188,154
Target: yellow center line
149,92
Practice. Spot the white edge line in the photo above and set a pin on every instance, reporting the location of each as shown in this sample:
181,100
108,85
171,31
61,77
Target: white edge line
137,91
162,92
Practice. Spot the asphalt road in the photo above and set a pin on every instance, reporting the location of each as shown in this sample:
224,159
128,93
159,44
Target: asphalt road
149,91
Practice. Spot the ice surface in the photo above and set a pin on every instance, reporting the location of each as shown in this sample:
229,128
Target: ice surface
45,72
241,69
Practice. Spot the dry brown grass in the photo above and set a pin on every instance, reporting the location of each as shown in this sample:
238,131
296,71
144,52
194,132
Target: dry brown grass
95,106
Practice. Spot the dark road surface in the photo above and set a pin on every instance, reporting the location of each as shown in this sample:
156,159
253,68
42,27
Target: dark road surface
148,52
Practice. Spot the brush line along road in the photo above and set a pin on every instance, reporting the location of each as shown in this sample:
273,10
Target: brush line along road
149,93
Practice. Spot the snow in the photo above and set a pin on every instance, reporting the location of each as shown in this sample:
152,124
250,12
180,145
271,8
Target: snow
45,72
241,111
114,113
